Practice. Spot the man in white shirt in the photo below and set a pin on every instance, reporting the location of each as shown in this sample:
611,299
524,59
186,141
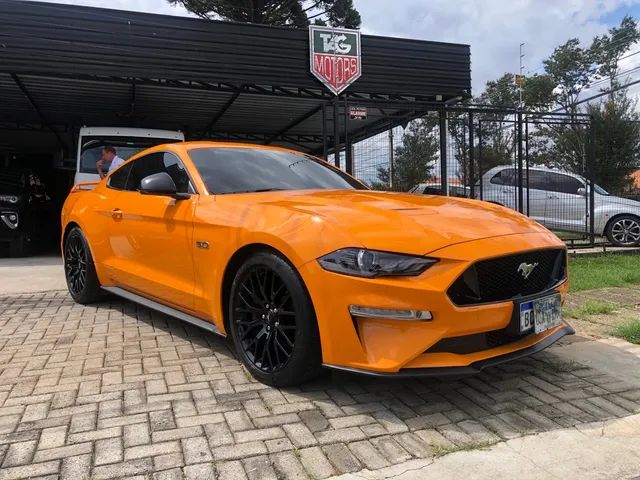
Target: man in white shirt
109,156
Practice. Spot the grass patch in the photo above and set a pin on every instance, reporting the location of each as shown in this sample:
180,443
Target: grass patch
630,331
442,450
600,271
590,307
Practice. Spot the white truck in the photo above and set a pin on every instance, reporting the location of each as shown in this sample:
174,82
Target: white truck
127,142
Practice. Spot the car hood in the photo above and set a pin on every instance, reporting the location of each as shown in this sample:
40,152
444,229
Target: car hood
619,201
405,223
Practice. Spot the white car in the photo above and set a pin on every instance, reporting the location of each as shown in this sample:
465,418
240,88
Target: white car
126,140
559,200
436,189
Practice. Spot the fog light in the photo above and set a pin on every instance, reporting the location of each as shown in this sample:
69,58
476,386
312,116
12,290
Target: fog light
392,314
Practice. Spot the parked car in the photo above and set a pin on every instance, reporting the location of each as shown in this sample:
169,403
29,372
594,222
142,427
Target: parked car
304,267
25,210
436,189
126,140
559,200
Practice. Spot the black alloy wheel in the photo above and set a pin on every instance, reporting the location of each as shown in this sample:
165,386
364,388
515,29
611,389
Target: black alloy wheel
272,322
75,262
79,270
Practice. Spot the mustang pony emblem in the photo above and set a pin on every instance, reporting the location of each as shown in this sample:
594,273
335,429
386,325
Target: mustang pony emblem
526,268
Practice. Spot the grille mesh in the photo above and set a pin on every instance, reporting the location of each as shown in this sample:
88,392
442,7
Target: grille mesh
498,279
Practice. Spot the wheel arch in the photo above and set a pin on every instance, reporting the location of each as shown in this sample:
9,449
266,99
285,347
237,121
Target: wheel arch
234,263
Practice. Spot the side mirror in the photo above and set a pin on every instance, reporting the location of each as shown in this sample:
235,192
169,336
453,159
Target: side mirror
582,191
161,184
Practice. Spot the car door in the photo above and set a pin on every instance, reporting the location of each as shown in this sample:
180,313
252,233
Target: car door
566,208
155,234
535,196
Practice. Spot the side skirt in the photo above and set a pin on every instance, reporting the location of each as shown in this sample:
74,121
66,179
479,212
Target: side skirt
172,312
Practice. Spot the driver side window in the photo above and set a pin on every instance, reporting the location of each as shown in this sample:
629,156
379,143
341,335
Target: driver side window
156,163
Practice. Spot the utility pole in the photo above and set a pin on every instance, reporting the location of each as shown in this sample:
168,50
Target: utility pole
391,147
521,74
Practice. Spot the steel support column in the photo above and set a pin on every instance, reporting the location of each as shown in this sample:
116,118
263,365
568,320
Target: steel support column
471,169
592,195
444,174
520,166
348,160
336,133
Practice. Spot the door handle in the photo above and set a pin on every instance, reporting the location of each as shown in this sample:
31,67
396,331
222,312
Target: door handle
116,214
552,196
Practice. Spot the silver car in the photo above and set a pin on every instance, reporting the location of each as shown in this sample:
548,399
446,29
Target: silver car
559,200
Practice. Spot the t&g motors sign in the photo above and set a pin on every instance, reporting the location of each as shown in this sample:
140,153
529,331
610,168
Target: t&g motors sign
335,56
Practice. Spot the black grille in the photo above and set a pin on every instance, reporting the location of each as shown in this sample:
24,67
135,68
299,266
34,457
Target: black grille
499,279
473,343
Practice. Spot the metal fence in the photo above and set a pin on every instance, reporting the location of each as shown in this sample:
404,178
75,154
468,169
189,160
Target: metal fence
541,164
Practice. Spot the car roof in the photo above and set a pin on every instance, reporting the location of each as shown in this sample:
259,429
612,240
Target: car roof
539,168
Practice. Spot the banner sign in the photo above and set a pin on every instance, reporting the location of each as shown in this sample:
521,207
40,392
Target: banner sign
335,56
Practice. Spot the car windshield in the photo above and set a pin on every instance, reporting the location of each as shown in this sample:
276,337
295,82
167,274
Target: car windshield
600,190
126,147
245,170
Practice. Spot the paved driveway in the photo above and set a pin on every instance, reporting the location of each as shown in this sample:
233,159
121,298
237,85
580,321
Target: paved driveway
116,390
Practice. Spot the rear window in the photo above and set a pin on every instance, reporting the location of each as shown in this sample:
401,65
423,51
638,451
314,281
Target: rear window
245,170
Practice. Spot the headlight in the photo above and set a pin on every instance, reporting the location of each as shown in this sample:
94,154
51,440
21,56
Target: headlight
372,263
9,198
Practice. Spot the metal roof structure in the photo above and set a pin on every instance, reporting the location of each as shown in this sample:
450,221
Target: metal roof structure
64,66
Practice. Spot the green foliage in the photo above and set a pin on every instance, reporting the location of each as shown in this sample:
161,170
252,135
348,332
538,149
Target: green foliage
569,68
414,157
590,307
298,13
607,50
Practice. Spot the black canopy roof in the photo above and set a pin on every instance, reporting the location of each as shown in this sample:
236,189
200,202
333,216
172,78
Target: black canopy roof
64,66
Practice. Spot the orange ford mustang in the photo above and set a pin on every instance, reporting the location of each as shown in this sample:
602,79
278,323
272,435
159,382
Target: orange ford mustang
304,267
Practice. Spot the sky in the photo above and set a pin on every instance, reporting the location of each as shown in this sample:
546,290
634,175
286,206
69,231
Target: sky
493,28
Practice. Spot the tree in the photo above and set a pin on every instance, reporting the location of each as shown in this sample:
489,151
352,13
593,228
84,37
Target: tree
569,67
414,157
617,149
298,13
608,49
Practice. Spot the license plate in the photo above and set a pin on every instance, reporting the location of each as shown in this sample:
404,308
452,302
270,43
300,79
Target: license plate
540,314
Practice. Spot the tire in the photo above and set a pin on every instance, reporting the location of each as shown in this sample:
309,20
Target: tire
624,231
79,269
18,247
273,323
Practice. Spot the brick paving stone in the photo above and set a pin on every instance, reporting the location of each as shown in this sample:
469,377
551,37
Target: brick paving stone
316,463
76,467
171,474
167,461
299,435
390,449
287,466
231,471
368,455
202,471
196,450
108,451
259,468
342,458
19,453
118,383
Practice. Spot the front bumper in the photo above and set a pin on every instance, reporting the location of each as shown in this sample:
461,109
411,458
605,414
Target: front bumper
398,347
473,368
